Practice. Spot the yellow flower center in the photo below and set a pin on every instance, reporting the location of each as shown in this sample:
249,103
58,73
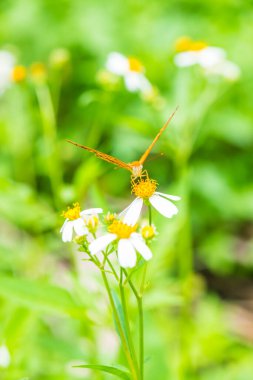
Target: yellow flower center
135,65
144,188
72,213
148,232
187,44
122,230
18,74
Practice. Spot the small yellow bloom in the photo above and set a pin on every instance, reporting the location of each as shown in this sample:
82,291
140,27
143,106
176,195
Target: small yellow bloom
18,73
109,218
148,232
38,72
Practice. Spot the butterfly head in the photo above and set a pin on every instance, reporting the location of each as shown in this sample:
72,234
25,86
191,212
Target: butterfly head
136,168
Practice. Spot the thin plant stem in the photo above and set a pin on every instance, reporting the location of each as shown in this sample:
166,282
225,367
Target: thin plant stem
150,215
141,325
48,118
117,319
125,311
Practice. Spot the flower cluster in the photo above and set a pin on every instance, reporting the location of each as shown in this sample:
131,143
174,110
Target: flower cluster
123,235
210,58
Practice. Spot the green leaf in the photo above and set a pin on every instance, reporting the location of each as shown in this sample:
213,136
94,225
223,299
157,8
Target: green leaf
122,373
39,296
120,312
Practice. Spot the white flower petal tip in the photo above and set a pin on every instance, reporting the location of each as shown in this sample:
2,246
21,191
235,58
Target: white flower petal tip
141,246
5,358
169,196
126,254
67,231
163,206
132,212
101,243
91,211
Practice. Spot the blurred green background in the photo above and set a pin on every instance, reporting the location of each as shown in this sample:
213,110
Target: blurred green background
198,307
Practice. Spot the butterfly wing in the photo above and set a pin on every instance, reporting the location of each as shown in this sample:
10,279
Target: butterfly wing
103,156
145,155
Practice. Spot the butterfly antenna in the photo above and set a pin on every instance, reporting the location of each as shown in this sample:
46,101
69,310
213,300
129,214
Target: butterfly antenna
145,155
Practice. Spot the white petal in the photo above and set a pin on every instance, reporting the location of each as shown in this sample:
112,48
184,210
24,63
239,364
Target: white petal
211,56
126,254
164,206
132,213
172,197
67,231
91,211
140,246
133,81
64,224
5,357
188,58
79,227
117,63
102,242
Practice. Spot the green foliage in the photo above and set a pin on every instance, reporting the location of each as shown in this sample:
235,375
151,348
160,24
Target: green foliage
54,313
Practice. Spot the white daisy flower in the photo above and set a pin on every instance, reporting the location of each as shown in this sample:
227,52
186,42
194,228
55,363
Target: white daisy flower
128,243
76,220
7,63
212,59
5,357
145,191
132,71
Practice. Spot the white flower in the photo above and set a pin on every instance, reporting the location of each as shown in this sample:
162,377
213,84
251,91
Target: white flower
227,69
7,63
5,357
206,57
76,220
145,190
128,243
131,70
212,59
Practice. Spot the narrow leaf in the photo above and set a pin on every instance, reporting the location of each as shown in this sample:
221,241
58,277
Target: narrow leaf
113,370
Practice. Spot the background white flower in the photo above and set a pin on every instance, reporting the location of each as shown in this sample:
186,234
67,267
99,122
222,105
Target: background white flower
212,59
131,70
128,243
7,63
5,357
75,221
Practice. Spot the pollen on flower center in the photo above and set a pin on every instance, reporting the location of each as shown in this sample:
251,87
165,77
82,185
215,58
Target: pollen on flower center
187,44
144,188
122,230
135,65
72,213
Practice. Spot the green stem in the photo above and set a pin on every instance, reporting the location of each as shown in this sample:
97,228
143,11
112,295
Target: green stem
49,130
150,215
116,316
141,325
121,332
125,311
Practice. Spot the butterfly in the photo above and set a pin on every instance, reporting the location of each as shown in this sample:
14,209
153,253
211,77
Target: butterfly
134,167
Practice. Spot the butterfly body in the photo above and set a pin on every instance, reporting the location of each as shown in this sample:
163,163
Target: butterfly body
135,167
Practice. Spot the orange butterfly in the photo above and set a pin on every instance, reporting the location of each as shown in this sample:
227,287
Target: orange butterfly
134,167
